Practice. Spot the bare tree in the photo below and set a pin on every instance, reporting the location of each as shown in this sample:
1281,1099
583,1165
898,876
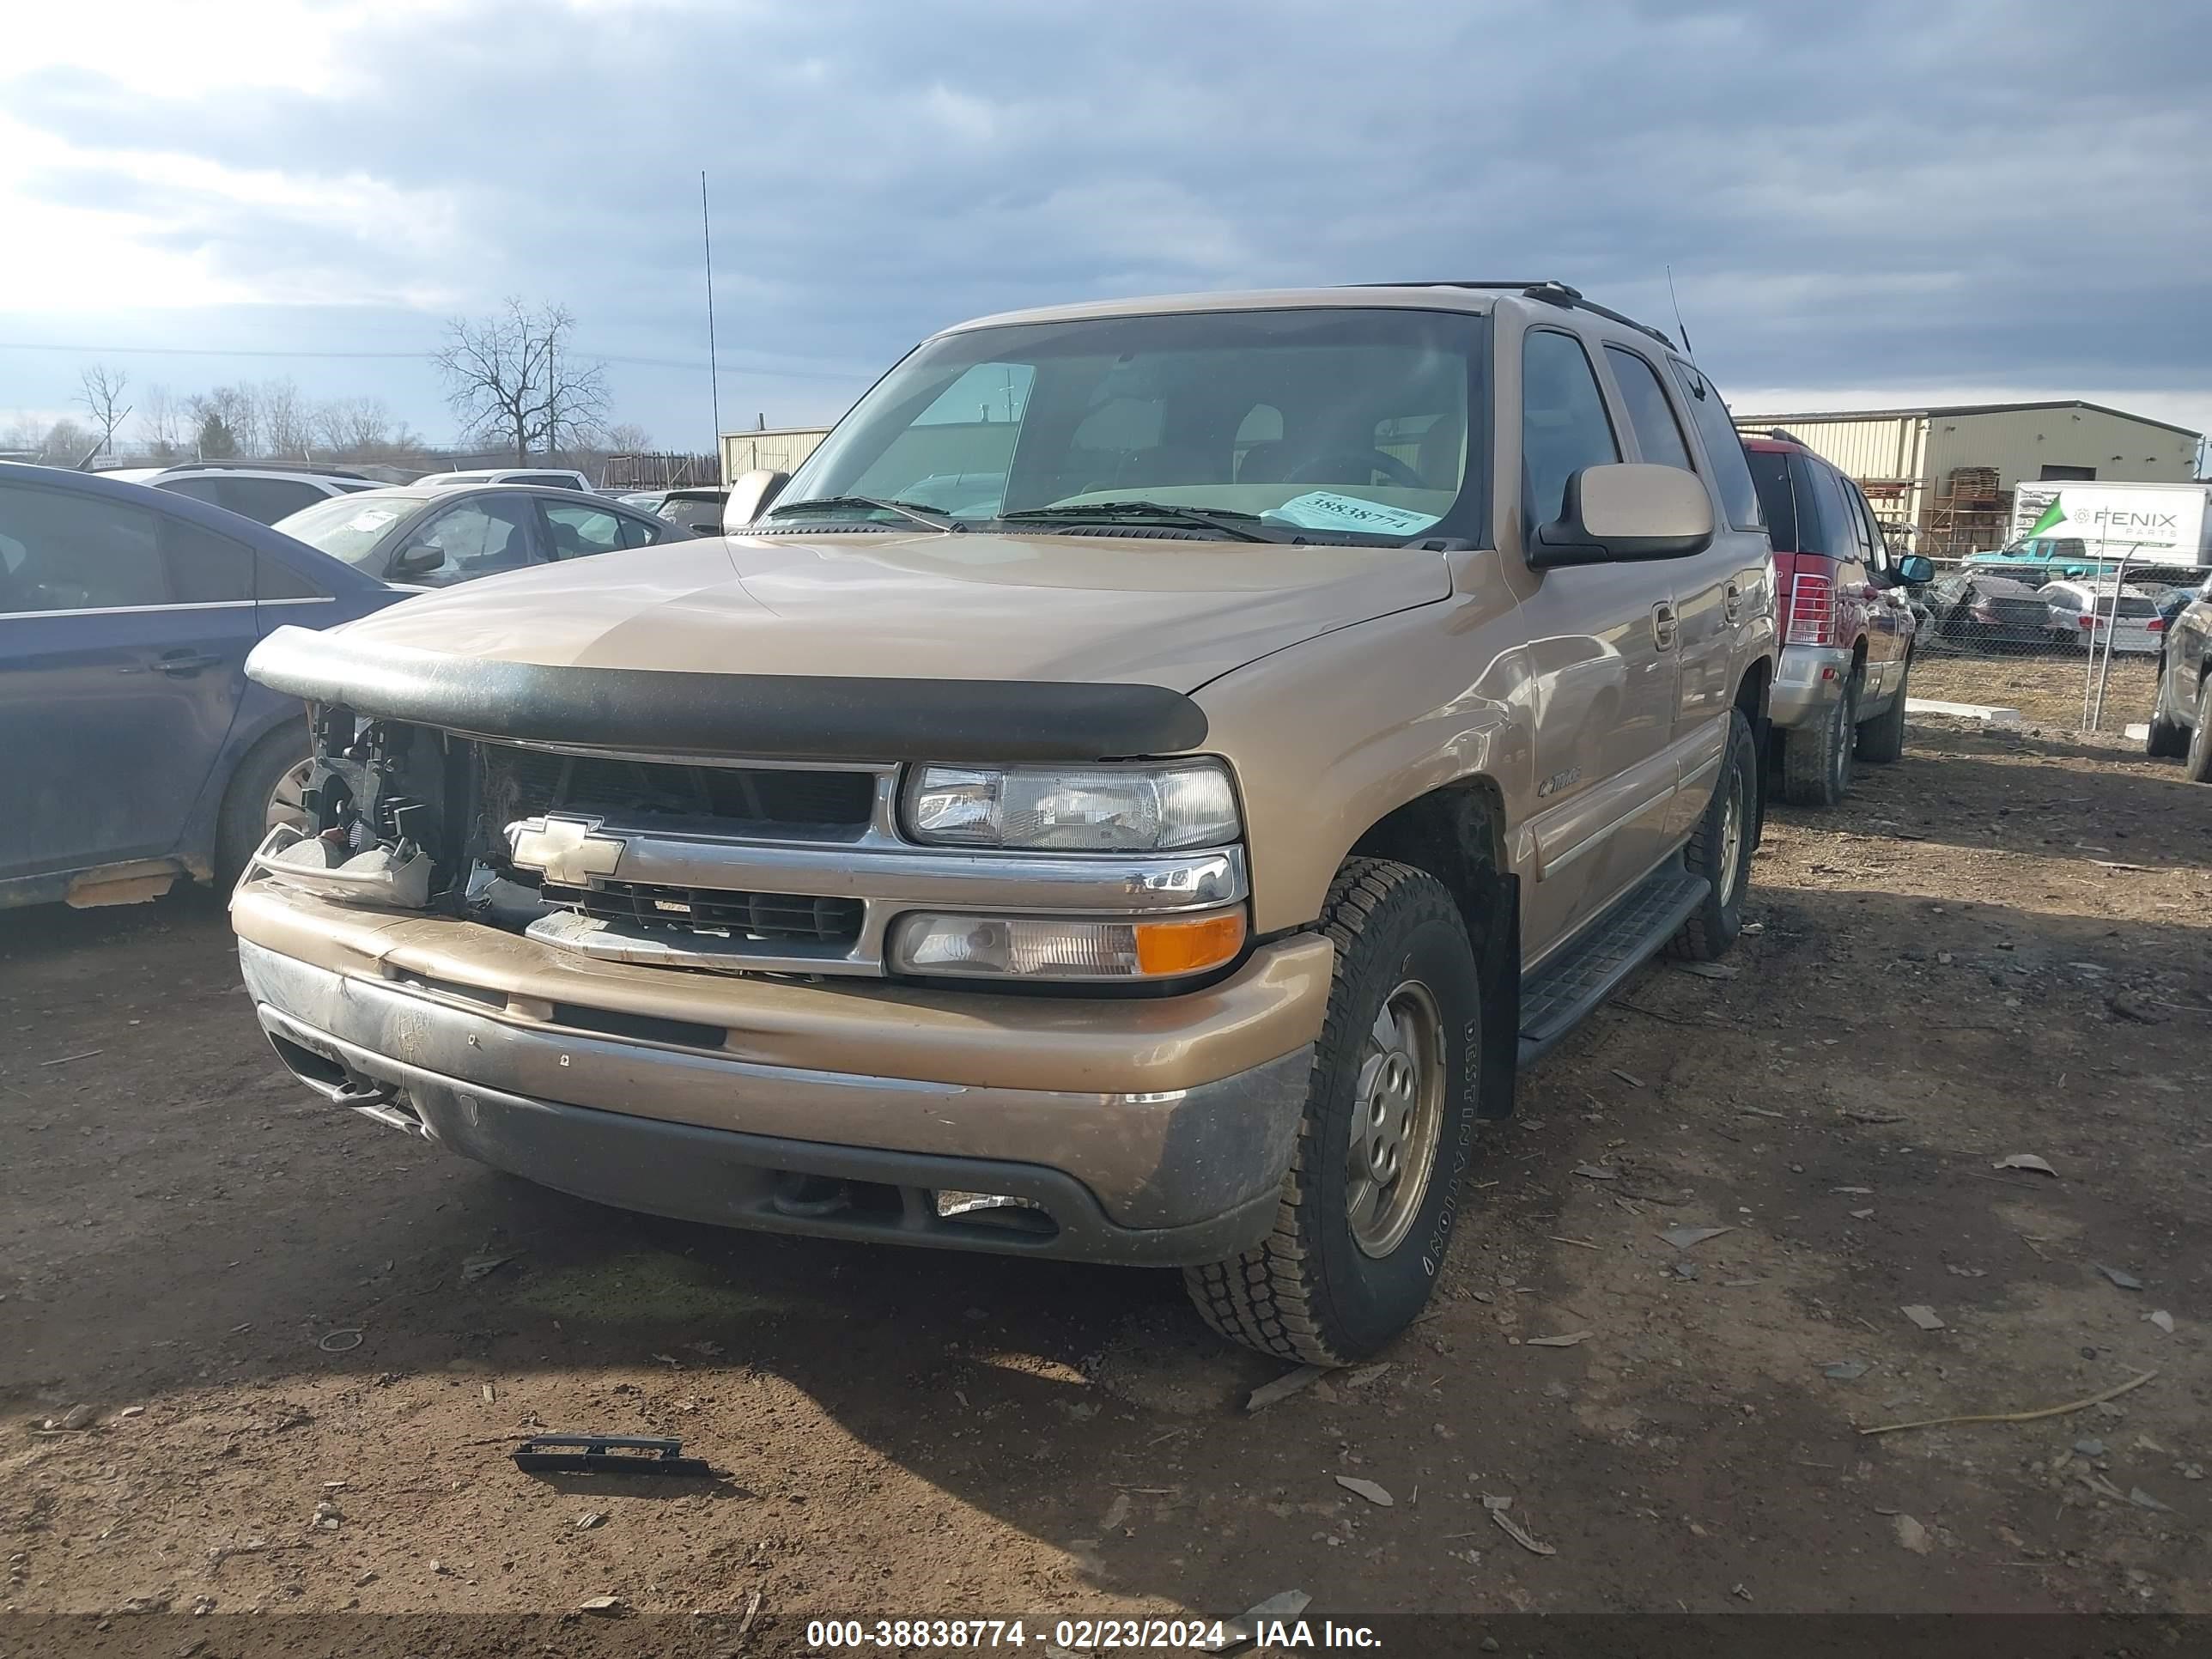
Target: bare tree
513,377
66,443
625,438
162,423
100,391
287,420
229,416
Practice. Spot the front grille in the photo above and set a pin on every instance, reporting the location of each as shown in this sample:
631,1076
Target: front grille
744,801
784,918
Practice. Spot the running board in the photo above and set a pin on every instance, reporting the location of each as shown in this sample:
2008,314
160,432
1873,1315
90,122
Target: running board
1554,1000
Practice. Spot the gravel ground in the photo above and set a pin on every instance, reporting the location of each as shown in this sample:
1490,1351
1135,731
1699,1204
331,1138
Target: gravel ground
255,1304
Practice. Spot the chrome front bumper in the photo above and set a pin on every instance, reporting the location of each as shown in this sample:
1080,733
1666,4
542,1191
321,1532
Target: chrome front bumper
1179,1177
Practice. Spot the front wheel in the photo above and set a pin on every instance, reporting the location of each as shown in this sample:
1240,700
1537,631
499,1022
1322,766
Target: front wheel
2197,765
268,788
1368,1206
2164,739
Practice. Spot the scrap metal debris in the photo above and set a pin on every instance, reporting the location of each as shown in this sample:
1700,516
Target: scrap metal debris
336,1341
1924,1316
1846,1370
1596,1172
607,1453
2162,1319
1683,1237
2024,1161
2125,1280
2143,1500
609,1605
1566,1341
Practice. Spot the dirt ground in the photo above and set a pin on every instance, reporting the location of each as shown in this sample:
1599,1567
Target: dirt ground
1999,946
2047,688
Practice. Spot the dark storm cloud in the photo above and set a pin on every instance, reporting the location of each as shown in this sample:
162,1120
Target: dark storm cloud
1893,195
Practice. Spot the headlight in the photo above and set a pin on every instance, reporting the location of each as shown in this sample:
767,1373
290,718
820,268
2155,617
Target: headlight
1103,809
1042,947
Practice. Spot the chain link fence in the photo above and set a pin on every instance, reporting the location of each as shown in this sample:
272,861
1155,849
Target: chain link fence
2072,653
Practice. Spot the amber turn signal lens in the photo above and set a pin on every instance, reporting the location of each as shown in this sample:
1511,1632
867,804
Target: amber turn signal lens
1184,947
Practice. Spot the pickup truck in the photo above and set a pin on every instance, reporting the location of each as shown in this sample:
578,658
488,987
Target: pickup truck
1137,793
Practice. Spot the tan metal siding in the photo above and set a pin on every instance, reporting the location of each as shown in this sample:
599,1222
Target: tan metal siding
1879,448
2021,443
778,451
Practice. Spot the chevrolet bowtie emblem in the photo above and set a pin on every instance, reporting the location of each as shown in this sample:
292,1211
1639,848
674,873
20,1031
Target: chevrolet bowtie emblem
564,849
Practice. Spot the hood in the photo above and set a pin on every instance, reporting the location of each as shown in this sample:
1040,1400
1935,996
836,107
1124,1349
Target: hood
972,607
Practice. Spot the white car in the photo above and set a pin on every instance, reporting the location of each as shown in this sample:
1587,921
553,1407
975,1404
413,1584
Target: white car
558,477
2081,614
262,492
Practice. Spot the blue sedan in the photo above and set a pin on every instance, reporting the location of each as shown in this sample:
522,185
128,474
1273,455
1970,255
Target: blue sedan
133,748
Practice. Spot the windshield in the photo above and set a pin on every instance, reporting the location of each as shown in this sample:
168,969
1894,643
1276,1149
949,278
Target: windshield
349,527
1330,424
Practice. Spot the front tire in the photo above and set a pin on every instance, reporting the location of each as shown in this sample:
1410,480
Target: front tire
1816,762
1882,740
1720,850
2164,739
1372,1194
264,792
2197,765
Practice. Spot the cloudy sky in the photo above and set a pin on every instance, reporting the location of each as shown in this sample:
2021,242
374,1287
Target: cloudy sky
1862,203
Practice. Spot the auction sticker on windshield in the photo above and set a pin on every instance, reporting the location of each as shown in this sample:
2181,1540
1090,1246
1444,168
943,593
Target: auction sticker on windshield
1324,510
371,519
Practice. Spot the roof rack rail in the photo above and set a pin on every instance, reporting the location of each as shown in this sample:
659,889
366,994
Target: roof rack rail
1549,292
318,468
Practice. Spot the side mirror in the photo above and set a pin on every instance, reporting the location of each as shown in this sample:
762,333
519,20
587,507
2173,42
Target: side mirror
1915,569
416,557
752,496
1626,511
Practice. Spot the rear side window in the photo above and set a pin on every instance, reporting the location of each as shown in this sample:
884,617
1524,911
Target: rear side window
557,480
274,580
1823,518
199,489
67,552
1564,425
1658,433
267,500
205,569
1723,446
574,531
1778,501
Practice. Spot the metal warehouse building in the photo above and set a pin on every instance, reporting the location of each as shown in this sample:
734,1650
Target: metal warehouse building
1949,471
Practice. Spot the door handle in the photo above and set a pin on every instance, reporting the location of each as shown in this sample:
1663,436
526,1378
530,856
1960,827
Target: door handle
186,662
1662,626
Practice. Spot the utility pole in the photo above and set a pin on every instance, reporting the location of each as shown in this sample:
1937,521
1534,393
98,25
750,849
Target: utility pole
714,370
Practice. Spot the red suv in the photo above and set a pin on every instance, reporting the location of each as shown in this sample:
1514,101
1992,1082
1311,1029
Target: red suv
1847,631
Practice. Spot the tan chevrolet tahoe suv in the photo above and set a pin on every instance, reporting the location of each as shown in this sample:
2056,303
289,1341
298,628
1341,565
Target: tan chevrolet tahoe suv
1136,794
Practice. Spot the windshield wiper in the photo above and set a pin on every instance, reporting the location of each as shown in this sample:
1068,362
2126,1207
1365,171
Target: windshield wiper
927,515
1221,519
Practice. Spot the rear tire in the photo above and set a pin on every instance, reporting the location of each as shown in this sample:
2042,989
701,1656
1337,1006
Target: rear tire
2196,764
1352,1258
1882,740
1816,760
1721,851
2165,740
263,792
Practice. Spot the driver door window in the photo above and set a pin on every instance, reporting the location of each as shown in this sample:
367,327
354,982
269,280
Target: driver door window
475,538
1564,424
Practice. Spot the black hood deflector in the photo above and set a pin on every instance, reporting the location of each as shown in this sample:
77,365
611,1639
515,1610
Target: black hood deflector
764,716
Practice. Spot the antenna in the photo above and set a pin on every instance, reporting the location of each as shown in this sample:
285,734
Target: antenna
714,370
1680,327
